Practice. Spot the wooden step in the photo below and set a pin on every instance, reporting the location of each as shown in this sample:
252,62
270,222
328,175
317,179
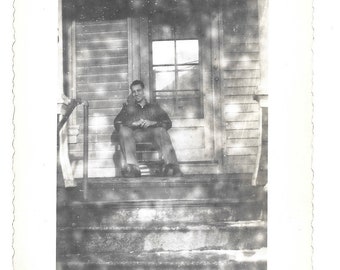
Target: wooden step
185,260
157,188
173,237
158,211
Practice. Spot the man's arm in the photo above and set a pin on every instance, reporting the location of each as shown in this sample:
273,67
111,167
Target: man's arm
124,119
162,118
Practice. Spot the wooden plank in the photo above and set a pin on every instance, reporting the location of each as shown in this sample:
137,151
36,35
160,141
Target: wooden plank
104,95
97,27
249,35
265,136
192,154
94,138
237,91
101,104
237,117
240,168
98,163
230,108
108,69
242,125
239,99
239,65
108,40
113,44
99,120
241,74
113,86
98,172
239,16
247,159
241,142
83,54
99,146
99,36
242,39
241,151
98,128
244,57
239,82
105,78
242,47
240,28
104,61
236,9
94,155
242,134
100,112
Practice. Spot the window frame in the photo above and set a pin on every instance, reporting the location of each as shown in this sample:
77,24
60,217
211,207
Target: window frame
199,90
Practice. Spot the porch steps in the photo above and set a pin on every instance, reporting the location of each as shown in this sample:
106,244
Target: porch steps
169,260
191,222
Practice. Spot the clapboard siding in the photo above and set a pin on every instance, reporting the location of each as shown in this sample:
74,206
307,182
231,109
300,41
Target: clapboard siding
241,76
101,79
95,155
102,27
244,117
104,95
102,69
242,47
100,112
102,61
103,87
238,99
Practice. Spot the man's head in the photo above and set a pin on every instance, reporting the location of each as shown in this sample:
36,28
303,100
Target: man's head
137,90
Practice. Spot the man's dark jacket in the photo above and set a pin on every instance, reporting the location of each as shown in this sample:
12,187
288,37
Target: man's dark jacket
132,112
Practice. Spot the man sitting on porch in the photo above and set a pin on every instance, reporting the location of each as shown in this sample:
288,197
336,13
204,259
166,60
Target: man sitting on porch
141,121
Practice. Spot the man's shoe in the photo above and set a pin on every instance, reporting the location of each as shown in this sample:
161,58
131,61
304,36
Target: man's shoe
131,171
177,171
171,170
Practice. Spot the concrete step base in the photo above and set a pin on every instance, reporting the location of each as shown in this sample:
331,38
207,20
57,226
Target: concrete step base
185,260
129,213
174,237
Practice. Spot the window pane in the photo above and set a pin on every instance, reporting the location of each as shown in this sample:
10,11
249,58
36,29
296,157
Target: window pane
187,51
188,107
163,52
167,103
188,78
164,78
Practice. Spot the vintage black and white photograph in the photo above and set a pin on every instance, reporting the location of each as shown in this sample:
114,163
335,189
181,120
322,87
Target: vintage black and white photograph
162,135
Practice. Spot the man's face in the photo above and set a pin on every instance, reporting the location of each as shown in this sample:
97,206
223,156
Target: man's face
137,92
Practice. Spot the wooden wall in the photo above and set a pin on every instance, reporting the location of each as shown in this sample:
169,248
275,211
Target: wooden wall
240,72
101,67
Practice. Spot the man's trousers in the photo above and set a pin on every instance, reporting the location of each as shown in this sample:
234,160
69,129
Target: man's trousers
158,135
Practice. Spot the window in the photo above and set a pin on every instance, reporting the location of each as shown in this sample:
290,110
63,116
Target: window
176,72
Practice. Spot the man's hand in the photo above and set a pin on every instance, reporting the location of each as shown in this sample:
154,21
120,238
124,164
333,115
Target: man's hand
147,123
137,123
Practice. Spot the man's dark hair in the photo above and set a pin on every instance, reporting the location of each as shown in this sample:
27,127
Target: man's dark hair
136,82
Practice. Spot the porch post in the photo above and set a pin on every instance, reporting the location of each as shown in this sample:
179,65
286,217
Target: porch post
63,101
261,95
263,38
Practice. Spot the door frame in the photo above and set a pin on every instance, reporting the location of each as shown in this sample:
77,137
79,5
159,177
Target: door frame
140,56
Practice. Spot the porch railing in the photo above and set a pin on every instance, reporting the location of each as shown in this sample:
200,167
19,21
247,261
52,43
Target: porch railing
73,104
